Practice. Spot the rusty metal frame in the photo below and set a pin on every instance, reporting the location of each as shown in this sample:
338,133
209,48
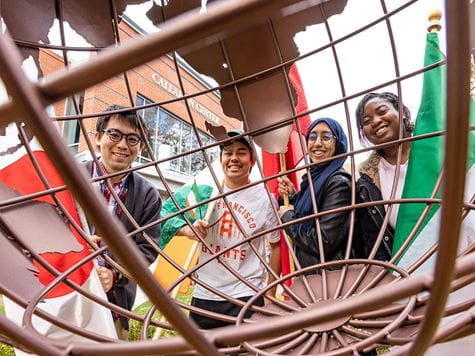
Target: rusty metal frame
28,102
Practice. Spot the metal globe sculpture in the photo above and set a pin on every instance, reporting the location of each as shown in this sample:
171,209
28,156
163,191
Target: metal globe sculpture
349,306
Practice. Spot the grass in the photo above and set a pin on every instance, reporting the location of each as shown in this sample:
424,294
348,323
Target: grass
136,327
5,350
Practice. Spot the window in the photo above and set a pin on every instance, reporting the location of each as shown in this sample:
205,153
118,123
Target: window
71,130
170,136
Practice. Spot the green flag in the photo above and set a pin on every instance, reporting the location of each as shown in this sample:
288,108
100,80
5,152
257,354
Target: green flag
426,161
426,157
187,196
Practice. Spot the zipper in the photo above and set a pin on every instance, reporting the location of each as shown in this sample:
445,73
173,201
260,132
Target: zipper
374,219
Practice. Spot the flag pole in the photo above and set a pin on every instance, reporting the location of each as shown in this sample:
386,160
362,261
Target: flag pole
434,21
189,259
285,197
283,168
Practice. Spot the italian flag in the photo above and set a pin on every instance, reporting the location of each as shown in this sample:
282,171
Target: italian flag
425,165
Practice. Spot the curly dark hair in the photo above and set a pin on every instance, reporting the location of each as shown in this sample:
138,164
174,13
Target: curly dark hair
132,117
393,99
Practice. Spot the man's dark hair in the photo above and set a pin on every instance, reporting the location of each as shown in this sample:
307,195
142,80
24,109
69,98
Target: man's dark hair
229,143
244,140
130,116
393,99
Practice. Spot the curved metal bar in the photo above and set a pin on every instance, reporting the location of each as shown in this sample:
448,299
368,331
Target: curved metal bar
285,74
278,326
351,145
92,180
157,45
359,344
5,107
458,93
29,44
30,107
28,340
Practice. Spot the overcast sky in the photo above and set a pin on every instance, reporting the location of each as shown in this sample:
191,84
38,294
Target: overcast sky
365,59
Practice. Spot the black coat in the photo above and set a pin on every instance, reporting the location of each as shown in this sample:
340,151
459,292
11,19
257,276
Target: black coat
144,204
334,227
369,220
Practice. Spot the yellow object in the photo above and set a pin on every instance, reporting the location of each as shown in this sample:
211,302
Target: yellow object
177,249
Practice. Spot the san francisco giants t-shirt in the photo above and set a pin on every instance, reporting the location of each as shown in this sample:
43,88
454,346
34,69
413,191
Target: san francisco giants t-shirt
253,210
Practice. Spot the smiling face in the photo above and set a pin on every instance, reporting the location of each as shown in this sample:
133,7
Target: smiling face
117,156
380,121
321,143
236,162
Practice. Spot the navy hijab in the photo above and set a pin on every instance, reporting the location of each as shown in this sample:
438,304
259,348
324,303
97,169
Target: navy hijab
303,199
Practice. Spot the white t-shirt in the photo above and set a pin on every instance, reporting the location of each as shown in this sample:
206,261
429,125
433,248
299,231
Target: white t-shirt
254,212
386,177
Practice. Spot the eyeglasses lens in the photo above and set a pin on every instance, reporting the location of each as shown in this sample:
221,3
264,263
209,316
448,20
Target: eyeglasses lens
116,136
325,137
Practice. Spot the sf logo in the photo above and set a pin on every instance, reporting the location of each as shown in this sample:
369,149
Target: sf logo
226,226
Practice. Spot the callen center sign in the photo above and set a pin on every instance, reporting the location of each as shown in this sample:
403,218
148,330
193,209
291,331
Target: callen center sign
176,92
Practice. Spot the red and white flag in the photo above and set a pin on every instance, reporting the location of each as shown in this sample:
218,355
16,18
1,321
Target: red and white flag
19,175
294,154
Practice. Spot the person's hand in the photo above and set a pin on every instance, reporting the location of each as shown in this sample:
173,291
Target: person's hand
283,209
200,225
106,276
285,186
97,240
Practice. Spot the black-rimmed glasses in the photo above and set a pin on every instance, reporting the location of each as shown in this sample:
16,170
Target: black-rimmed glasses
116,136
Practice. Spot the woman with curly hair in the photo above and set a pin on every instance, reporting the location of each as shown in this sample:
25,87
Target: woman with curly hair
378,122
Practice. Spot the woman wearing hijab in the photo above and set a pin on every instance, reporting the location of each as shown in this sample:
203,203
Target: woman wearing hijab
332,188
377,118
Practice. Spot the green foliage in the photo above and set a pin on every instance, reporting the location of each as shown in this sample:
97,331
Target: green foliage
136,327
5,350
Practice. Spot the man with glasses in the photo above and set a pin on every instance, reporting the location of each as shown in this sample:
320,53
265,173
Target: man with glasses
119,141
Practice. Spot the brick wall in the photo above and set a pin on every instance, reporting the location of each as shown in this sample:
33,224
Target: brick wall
141,80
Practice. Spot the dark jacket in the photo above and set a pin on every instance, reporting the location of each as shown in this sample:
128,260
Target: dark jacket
370,219
334,227
144,204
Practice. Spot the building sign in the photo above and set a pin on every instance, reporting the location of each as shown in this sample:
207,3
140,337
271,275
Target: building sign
176,92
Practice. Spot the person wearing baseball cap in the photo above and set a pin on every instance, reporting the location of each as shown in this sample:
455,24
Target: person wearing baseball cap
249,212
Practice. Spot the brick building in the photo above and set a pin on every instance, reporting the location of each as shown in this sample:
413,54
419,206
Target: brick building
170,128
